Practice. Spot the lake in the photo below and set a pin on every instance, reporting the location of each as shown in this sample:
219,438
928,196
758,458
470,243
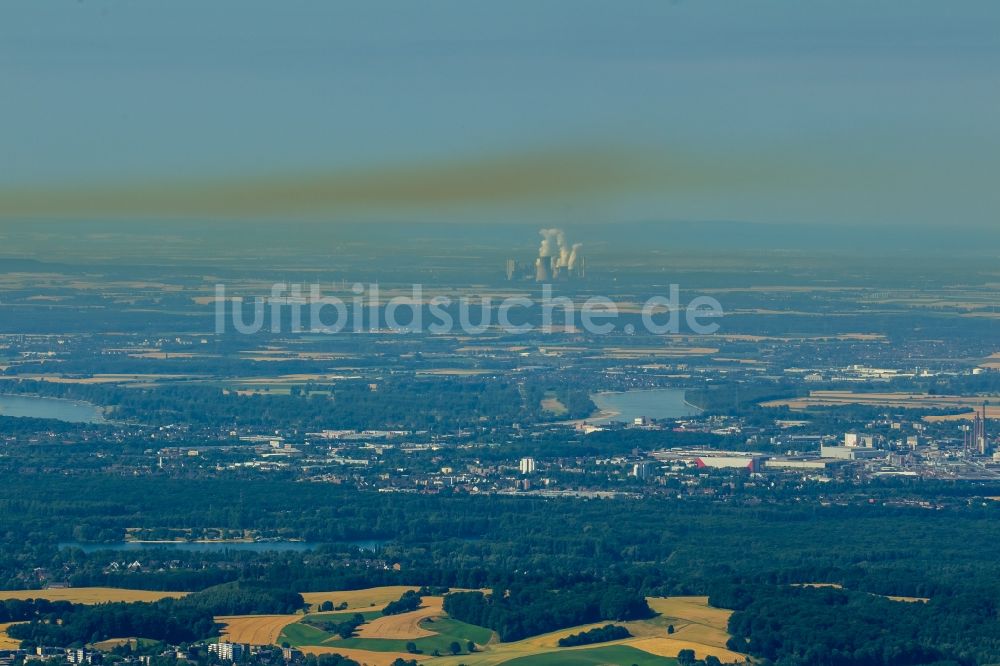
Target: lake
653,403
37,407
215,546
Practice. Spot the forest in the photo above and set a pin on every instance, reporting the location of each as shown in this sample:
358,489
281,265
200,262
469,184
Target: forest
808,626
747,556
175,621
609,632
524,611
406,403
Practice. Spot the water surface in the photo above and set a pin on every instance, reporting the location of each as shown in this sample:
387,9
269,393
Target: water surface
653,403
33,406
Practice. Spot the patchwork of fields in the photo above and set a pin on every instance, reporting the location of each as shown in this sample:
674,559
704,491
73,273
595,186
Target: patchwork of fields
971,404
696,626
433,635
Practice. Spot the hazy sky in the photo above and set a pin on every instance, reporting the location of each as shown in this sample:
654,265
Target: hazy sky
841,111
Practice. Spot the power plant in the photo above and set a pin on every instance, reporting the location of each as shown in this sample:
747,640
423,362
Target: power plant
556,260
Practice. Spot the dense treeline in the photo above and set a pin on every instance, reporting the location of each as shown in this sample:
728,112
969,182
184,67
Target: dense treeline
734,398
804,626
18,610
652,546
244,599
344,628
173,620
481,541
609,632
410,601
409,403
165,620
329,660
530,610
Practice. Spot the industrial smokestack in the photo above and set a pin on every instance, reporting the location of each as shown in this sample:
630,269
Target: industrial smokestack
541,272
573,254
549,242
555,255
563,250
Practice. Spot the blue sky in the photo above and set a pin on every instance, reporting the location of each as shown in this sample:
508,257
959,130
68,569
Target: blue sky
819,112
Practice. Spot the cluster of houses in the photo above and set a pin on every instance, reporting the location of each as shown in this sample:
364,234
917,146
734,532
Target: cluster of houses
223,651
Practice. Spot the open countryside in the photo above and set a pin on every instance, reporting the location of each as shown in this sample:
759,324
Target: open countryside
693,625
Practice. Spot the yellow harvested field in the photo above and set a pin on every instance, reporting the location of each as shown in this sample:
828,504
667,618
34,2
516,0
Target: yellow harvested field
454,372
891,597
697,627
836,586
740,337
364,657
694,621
254,629
554,405
906,400
693,609
90,595
659,352
992,412
669,647
287,379
6,642
992,362
404,626
111,643
373,597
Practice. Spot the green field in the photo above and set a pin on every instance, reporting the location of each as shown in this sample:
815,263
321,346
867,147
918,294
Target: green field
612,655
467,632
299,634
448,630
341,616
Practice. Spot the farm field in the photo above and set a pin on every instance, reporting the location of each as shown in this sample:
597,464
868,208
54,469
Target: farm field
383,638
426,627
616,655
890,597
90,595
553,405
904,400
359,599
364,657
111,643
341,616
302,635
254,629
404,626
992,412
6,642
445,632
697,627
